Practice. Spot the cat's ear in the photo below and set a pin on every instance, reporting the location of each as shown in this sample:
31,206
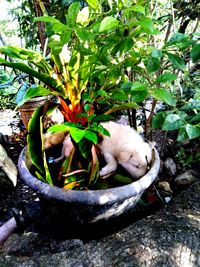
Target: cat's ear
124,156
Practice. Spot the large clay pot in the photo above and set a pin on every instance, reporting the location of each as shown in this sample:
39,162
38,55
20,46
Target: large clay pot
27,109
91,206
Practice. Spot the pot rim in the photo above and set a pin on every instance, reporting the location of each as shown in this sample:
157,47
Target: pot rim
37,98
89,197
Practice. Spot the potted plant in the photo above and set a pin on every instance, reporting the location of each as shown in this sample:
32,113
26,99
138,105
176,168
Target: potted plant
94,59
15,89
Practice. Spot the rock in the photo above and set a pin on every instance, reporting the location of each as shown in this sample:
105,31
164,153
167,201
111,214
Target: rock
185,179
170,166
6,184
21,244
7,165
161,167
3,139
33,243
165,186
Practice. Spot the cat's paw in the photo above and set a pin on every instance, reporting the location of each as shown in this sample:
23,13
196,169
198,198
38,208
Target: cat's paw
104,171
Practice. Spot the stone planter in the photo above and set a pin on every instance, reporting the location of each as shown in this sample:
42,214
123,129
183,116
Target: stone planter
27,109
91,206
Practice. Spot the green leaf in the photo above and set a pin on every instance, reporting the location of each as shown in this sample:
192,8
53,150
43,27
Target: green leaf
84,35
193,104
21,92
59,28
177,61
87,107
165,96
36,146
59,128
91,117
127,87
122,179
148,26
125,45
177,38
94,4
130,105
172,122
45,78
91,136
29,55
47,19
166,77
158,120
99,128
192,131
72,13
195,118
152,64
34,140
156,53
85,148
102,93
81,115
182,135
138,87
119,96
67,164
139,96
108,23
77,134
93,168
47,172
102,117
138,8
34,91
195,53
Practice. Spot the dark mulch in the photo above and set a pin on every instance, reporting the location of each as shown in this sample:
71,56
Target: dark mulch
21,194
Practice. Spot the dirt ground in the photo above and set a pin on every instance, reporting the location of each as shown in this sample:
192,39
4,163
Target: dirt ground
13,138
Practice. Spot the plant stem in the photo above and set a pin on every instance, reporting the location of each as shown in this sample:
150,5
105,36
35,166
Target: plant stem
149,120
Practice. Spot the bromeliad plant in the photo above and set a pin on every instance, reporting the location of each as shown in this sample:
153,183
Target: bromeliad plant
66,80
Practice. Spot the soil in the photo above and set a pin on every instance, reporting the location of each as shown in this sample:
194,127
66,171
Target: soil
21,194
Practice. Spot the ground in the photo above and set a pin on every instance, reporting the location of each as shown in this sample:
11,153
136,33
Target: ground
13,140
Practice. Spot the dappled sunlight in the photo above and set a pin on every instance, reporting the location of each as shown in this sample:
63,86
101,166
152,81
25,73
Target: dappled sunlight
183,255
9,120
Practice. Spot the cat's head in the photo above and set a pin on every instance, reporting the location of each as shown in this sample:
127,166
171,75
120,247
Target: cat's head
136,161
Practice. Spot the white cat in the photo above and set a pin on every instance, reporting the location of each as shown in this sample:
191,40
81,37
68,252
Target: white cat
124,146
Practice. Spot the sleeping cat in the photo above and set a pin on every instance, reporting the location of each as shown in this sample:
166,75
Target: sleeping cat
124,146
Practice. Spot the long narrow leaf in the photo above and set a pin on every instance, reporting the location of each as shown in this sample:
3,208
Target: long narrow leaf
94,167
46,168
45,78
29,55
34,91
130,105
34,140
